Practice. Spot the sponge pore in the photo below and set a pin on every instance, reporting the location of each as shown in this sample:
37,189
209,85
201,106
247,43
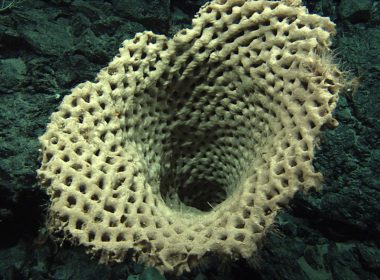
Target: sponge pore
191,145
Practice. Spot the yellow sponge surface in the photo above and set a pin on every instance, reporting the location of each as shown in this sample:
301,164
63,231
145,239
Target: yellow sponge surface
191,145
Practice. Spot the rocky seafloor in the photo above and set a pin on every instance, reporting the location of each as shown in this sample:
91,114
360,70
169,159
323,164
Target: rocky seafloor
47,47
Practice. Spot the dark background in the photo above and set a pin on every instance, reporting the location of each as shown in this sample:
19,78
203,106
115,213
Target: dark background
48,47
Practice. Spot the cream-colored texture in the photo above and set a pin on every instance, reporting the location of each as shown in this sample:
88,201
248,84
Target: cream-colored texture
223,116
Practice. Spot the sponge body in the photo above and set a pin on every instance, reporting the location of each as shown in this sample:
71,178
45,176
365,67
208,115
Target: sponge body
225,114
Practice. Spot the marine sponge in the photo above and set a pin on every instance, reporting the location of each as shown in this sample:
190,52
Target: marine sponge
191,145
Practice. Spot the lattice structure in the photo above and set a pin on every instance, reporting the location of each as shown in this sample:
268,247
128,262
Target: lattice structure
191,145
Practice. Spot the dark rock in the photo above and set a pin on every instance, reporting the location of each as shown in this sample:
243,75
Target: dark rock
189,7
12,74
369,258
92,47
9,37
79,24
154,14
356,11
12,260
93,10
45,35
61,2
48,47
151,274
